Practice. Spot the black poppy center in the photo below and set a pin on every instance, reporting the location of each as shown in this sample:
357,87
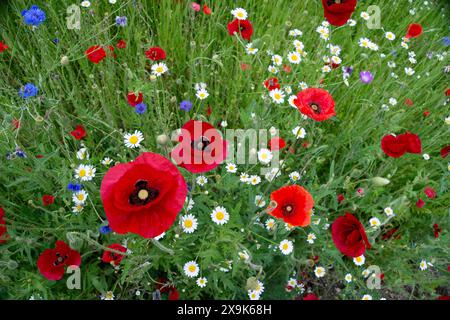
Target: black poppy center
60,259
142,194
200,144
315,107
330,2
288,209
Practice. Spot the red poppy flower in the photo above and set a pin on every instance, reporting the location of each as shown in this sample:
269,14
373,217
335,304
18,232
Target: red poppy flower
206,10
310,296
245,66
173,294
340,198
409,102
112,257
52,262
79,132
336,12
287,68
96,54
2,226
293,205
426,113
209,111
3,46
271,84
436,230
349,236
134,100
393,146
121,44
242,27
315,103
420,203
15,123
48,199
143,196
447,92
412,141
445,151
429,192
414,30
276,143
201,147
155,54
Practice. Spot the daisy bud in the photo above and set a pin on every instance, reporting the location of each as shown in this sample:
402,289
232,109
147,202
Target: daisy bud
379,181
162,139
65,60
252,283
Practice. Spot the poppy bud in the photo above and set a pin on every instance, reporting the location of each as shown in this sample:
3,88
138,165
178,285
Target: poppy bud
65,60
379,181
162,139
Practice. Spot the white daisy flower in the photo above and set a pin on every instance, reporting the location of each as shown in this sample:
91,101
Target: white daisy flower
201,180
423,265
311,237
159,69
191,269
351,22
319,272
108,295
392,101
364,43
277,96
326,69
189,223
220,216
294,57
82,154
254,180
348,277
270,224
85,172
389,212
239,13
324,32
366,297
359,261
295,33
250,49
303,85
291,101
231,167
253,295
265,155
299,132
202,94
201,282
286,247
365,15
133,140
409,71
272,69
77,208
259,201
200,85
294,176
190,204
107,161
243,177
426,156
277,60
80,197
390,36
374,222
85,4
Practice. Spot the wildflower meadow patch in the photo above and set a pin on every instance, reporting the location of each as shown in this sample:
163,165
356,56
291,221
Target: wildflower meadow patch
242,150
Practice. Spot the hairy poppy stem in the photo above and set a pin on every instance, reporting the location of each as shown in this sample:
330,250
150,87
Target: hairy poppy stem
162,248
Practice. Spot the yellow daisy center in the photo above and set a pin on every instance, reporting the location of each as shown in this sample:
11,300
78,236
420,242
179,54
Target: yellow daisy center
220,215
188,223
133,139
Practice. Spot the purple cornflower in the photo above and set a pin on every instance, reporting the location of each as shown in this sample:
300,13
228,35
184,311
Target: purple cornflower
186,105
366,77
140,108
121,21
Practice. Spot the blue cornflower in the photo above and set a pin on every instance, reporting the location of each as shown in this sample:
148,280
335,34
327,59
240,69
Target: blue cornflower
55,41
446,41
140,108
105,229
33,16
186,105
29,90
20,153
121,21
74,187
